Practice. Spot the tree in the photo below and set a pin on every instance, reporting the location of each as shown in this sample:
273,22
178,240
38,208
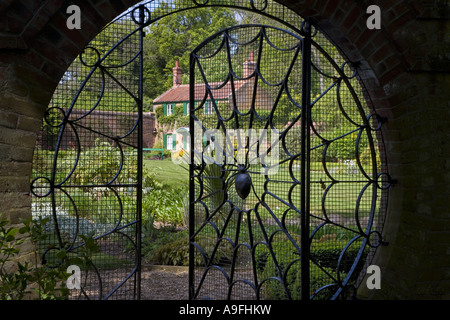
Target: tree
104,81
172,39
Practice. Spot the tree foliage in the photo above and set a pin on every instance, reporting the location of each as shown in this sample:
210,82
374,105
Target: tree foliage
172,39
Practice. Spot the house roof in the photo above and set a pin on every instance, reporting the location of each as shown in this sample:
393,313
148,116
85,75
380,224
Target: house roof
180,93
243,90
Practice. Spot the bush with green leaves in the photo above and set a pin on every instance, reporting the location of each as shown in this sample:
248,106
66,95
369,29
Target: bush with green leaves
19,280
16,278
323,268
13,285
172,248
165,206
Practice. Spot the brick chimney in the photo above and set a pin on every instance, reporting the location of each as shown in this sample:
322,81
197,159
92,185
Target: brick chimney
176,75
249,66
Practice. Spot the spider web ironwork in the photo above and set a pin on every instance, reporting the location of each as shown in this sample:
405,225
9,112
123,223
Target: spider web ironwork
271,238
293,216
87,171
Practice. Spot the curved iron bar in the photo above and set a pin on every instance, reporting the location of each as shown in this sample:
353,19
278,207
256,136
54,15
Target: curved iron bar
135,268
53,185
327,143
265,11
268,243
366,127
33,187
261,35
344,283
55,157
245,281
237,232
360,232
100,289
361,129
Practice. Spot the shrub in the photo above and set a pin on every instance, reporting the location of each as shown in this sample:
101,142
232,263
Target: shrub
322,270
175,253
172,248
164,205
17,279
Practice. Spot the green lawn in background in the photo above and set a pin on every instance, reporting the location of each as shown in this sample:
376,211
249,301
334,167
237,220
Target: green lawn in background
168,173
341,199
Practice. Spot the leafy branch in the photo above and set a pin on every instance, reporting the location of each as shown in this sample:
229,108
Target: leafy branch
19,280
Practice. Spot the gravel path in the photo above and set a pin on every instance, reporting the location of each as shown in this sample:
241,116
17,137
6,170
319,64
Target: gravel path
164,284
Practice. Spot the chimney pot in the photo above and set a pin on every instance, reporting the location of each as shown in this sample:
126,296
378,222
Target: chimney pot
249,66
176,74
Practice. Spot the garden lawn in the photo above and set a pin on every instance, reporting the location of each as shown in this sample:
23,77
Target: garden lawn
168,173
341,199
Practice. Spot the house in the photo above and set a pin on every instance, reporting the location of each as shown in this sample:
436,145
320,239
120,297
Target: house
175,102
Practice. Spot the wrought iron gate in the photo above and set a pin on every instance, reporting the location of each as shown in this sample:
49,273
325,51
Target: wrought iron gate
286,182
88,165
284,178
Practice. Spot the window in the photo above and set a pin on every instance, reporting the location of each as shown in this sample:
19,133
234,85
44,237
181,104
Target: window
209,108
169,142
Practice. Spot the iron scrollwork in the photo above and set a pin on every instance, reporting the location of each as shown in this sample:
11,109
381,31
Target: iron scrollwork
301,227
270,242
94,168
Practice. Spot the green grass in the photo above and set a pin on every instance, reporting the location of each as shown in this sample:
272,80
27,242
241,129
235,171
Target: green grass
169,173
101,260
340,199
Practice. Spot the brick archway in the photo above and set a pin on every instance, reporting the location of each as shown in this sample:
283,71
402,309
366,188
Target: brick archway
404,65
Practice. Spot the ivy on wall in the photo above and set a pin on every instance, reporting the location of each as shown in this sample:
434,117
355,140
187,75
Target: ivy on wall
179,118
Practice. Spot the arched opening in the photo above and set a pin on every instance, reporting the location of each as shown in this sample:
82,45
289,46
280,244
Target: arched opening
80,158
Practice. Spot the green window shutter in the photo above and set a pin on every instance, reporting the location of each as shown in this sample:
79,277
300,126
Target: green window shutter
185,110
165,109
174,140
164,140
